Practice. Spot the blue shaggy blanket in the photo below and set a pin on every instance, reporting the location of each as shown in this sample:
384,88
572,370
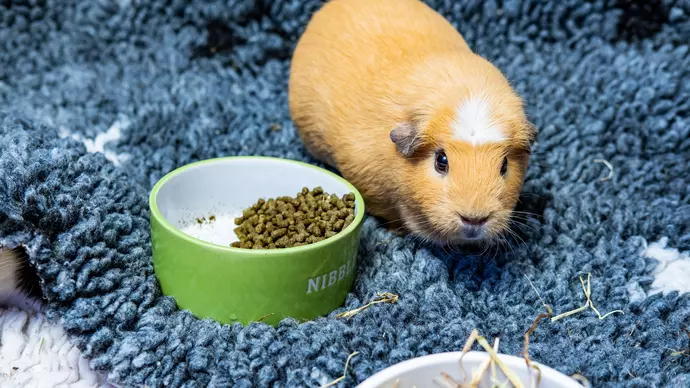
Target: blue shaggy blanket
99,99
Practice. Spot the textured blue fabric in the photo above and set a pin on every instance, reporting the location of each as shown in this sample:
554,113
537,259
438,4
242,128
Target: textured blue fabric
190,80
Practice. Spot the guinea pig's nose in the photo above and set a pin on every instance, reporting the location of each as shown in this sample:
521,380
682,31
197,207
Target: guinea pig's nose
474,221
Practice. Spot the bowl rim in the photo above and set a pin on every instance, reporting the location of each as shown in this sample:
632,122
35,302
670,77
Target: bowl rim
155,212
386,374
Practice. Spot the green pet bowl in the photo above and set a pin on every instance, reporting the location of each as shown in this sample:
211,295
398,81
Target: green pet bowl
192,221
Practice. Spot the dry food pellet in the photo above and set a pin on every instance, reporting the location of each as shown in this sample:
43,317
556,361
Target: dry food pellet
283,222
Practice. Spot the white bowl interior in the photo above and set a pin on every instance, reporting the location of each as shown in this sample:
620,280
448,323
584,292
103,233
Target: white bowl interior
427,371
223,188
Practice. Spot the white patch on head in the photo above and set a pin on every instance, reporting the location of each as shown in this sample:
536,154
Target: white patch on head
98,144
473,122
673,271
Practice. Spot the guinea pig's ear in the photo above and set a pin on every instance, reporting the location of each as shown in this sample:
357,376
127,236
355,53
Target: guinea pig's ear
531,132
406,138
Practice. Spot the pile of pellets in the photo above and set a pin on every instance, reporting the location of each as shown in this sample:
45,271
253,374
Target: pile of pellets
284,222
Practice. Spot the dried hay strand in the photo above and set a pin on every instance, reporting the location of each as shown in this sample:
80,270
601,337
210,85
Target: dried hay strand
530,331
482,369
587,290
608,165
509,373
468,345
264,317
525,351
474,337
381,297
588,304
341,378
582,379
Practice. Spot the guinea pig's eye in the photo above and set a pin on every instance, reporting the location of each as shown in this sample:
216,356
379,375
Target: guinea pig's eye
441,163
504,166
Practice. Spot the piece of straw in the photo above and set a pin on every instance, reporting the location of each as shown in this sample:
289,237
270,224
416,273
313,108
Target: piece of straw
610,167
582,379
468,345
588,293
494,377
482,369
509,374
525,351
264,317
530,331
341,378
447,381
382,297
546,306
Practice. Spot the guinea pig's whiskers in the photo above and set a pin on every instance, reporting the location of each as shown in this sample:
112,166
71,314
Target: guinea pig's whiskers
486,245
510,246
418,220
501,247
519,240
522,213
493,257
525,195
519,217
398,219
522,223
447,246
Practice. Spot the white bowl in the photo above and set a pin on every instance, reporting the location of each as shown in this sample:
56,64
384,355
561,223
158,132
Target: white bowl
423,372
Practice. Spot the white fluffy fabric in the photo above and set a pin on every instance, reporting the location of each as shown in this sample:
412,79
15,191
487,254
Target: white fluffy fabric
673,271
36,353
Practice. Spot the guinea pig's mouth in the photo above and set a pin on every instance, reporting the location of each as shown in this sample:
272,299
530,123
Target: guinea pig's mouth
473,233
463,235
450,232
476,234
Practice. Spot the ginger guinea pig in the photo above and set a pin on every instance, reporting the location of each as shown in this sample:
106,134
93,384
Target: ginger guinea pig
433,136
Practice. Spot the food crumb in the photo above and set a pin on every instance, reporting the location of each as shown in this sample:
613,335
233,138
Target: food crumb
203,220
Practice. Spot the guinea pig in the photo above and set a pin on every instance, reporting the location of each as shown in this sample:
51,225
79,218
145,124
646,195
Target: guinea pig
389,93
19,283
